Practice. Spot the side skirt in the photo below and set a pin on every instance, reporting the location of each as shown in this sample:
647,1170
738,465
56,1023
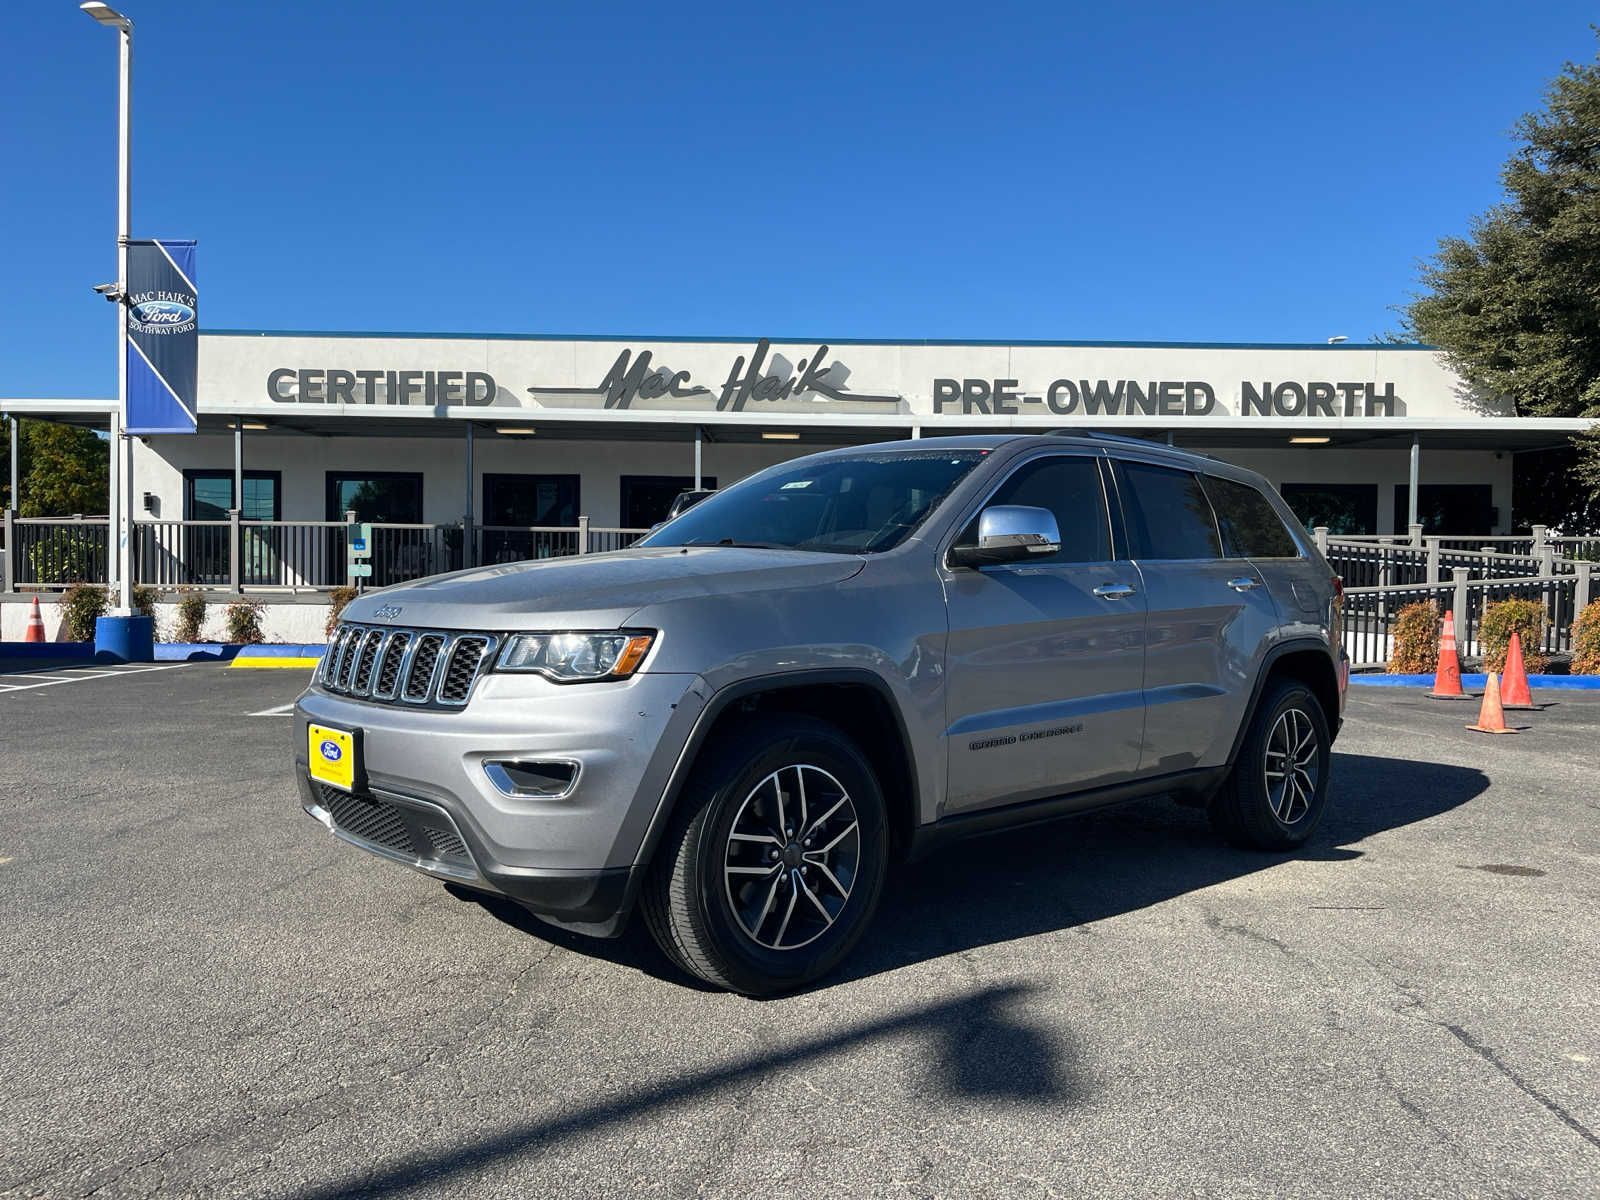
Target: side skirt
1191,787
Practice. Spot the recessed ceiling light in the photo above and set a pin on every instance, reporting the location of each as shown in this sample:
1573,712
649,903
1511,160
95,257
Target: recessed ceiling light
779,435
253,425
516,430
1309,441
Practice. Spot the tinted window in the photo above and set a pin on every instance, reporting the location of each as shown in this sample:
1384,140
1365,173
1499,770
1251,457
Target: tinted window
1250,525
848,505
1069,488
1167,513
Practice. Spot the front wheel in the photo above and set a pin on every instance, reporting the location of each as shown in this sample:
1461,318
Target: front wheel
775,859
1278,789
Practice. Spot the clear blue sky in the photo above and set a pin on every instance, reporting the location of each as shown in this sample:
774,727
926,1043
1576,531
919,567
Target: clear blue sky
1178,171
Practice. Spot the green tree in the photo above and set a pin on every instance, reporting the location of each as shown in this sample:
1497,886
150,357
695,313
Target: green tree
5,463
63,470
1515,305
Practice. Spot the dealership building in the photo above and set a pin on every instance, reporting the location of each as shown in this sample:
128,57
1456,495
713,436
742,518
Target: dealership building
534,431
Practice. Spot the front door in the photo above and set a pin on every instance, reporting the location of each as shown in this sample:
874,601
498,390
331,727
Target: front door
522,514
1209,620
1046,657
389,498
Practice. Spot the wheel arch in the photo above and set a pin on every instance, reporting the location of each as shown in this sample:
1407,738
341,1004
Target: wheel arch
1306,661
857,702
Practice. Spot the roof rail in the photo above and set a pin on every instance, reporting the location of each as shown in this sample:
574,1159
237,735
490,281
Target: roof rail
1125,440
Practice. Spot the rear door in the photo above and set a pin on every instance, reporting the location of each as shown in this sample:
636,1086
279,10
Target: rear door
1209,619
1045,657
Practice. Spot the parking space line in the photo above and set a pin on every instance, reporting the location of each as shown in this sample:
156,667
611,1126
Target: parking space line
281,710
79,677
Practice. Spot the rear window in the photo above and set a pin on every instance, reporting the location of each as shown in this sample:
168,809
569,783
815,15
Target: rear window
1250,525
1168,515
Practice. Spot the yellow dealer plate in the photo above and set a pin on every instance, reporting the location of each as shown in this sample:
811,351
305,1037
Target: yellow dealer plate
332,754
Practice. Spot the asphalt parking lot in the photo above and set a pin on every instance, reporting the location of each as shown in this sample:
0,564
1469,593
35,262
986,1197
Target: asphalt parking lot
205,994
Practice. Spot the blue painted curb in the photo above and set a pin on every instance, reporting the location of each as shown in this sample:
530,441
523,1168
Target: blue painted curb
1570,683
84,650
194,651
282,650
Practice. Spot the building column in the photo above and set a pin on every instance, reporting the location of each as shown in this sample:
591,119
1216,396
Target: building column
699,438
469,546
1416,476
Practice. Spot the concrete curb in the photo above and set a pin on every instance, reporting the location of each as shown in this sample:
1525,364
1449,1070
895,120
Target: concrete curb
1571,683
275,656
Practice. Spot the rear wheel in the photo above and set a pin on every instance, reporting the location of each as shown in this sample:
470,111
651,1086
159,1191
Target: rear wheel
1278,789
774,861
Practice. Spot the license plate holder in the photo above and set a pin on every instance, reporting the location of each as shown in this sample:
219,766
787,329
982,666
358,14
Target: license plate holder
334,755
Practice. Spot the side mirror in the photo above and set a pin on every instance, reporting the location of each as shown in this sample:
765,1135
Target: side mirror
1009,533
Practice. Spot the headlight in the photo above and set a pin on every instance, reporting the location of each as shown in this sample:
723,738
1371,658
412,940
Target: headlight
576,657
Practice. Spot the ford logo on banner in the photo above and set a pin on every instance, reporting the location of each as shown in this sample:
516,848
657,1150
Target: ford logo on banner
330,751
162,312
163,324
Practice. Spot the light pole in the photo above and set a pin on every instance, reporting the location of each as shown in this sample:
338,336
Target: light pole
121,499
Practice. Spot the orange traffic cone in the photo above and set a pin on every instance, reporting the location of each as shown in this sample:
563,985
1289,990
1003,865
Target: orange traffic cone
1491,717
35,624
1447,677
1517,694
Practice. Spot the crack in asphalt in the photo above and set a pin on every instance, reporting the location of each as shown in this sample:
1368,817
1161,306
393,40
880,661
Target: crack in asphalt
1489,1056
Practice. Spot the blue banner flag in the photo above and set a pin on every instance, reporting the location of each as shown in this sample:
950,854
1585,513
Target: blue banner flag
162,311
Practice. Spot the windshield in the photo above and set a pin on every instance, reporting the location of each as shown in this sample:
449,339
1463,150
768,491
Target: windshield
856,505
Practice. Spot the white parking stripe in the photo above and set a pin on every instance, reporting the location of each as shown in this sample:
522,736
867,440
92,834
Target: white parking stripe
44,681
282,710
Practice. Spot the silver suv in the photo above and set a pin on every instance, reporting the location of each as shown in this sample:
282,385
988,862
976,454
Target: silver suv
737,724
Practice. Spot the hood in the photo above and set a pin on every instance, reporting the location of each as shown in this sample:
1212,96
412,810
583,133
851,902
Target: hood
595,591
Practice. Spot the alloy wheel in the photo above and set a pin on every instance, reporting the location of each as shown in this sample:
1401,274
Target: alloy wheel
792,857
1293,767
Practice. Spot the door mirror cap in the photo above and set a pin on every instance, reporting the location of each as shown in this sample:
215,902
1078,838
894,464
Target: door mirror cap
1010,533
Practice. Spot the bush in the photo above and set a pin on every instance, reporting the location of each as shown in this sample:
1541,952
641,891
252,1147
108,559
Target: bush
144,603
1494,633
243,621
1416,639
65,556
81,604
191,617
337,599
1586,641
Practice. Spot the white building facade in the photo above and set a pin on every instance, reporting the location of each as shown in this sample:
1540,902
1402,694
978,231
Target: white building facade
511,431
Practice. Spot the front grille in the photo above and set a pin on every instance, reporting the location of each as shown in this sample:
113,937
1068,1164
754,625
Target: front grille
465,659
424,834
416,666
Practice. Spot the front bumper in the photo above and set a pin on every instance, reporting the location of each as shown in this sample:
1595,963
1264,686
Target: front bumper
427,802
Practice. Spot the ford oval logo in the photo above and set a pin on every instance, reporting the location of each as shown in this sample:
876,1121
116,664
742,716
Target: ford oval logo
162,312
330,751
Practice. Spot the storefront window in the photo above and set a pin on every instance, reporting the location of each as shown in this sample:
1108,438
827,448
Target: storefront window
647,498
1447,508
1344,508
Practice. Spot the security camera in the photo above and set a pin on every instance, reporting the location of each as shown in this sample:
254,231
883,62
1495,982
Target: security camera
111,291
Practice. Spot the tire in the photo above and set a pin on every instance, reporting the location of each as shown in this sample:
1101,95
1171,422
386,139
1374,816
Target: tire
1259,806
751,929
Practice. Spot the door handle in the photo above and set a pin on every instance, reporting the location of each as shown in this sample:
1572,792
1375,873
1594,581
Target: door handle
1244,583
1114,591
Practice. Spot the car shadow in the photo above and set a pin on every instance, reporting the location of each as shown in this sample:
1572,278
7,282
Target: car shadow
1075,871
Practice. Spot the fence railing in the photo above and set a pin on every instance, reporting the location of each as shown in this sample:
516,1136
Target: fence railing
240,555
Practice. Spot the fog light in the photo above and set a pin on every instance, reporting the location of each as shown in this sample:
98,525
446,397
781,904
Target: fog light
547,779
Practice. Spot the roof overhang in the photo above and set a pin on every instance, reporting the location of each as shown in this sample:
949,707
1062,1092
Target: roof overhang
360,420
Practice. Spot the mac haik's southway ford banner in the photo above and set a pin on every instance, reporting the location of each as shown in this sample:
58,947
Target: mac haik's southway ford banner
876,382
162,311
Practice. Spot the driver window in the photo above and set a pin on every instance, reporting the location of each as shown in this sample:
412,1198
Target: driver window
1069,486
